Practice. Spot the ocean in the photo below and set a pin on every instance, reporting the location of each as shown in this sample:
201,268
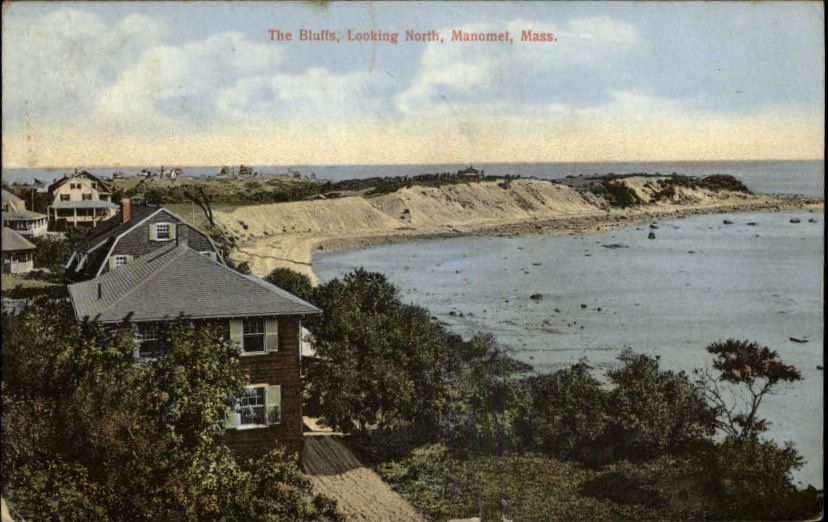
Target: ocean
786,177
699,281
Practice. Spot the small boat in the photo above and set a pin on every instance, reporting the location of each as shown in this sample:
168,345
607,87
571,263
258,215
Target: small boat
796,340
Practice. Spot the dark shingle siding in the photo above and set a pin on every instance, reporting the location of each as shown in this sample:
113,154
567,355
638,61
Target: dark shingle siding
137,242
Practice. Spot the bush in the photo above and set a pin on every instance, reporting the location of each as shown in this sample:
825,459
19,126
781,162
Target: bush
616,193
294,282
87,432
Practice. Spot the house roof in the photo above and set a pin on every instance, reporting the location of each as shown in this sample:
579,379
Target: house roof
176,281
13,241
8,197
22,215
82,174
94,203
114,227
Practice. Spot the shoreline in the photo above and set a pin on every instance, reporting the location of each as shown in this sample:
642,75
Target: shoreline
300,249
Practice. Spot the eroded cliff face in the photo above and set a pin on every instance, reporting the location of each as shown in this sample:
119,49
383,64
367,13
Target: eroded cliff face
287,234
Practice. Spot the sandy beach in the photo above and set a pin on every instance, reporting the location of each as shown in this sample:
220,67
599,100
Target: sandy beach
289,234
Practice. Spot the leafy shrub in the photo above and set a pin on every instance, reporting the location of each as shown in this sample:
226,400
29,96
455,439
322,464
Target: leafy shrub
294,282
616,193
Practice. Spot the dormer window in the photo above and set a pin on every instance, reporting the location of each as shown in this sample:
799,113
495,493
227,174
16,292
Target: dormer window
162,232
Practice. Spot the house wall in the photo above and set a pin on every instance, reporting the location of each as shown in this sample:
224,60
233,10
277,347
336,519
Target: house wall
95,188
137,241
87,186
281,368
17,262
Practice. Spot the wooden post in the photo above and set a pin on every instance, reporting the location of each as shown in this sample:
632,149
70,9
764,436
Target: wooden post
75,215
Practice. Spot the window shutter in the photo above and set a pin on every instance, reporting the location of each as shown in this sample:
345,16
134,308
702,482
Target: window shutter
273,404
153,233
236,331
112,262
232,418
272,334
173,228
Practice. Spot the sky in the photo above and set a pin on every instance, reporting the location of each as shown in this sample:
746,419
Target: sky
202,83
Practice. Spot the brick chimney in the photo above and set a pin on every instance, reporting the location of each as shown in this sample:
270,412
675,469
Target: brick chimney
126,210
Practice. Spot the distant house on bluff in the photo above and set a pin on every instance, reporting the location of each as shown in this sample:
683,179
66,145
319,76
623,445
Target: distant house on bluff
80,199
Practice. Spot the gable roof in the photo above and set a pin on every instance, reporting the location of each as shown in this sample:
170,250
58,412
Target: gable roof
13,241
11,199
176,281
82,174
114,227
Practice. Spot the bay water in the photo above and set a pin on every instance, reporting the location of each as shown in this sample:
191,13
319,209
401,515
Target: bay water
699,281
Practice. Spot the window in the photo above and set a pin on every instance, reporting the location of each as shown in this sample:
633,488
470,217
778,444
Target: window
252,406
103,197
119,261
260,406
162,231
253,334
148,342
86,197
64,197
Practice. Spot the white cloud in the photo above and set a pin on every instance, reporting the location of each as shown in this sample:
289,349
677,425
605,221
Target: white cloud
77,55
524,76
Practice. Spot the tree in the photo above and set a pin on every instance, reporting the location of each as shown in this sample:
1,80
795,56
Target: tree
379,362
86,431
745,369
655,412
294,282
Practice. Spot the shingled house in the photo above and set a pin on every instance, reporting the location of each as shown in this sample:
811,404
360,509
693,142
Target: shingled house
174,282
135,231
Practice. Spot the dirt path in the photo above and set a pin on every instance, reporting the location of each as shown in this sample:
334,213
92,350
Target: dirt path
360,494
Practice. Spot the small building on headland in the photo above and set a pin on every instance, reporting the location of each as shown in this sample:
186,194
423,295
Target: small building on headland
16,252
470,172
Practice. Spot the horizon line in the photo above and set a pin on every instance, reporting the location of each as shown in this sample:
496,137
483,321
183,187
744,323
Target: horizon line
180,166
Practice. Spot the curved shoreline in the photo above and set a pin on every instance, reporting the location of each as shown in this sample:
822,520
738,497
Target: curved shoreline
300,248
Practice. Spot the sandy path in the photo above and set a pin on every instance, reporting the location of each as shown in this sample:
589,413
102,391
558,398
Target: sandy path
360,494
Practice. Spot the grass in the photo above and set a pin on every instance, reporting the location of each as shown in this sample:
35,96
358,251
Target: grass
527,487
9,281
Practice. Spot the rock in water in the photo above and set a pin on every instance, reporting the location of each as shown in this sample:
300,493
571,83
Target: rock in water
727,222
795,220
536,297
651,235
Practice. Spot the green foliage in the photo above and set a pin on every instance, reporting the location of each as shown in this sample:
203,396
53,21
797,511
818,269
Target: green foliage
379,363
616,193
86,431
655,412
294,282
565,414
753,482
746,370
